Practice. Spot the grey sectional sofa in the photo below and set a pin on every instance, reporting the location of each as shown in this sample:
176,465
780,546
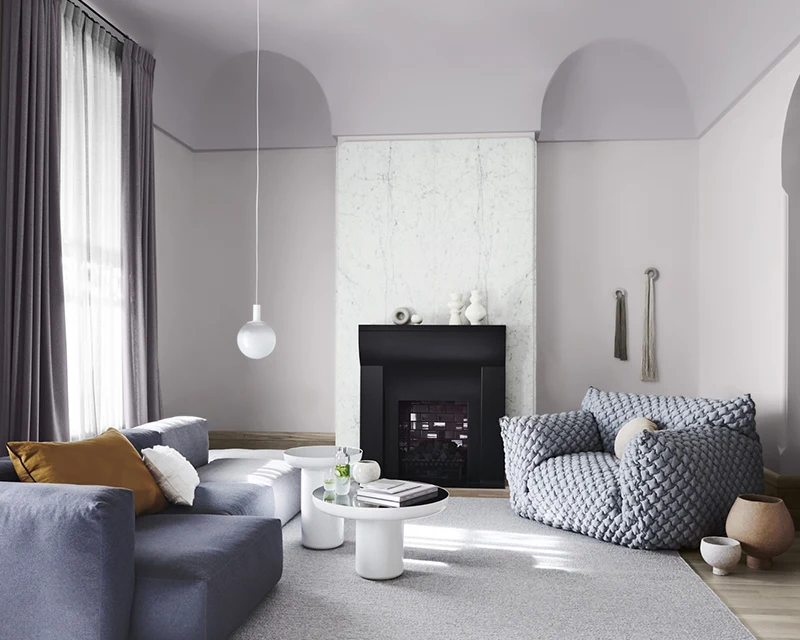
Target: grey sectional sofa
83,567
672,486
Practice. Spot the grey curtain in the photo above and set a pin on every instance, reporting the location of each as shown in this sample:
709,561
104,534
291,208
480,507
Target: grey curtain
33,397
142,389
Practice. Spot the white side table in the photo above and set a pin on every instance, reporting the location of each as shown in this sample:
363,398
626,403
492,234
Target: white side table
319,530
379,530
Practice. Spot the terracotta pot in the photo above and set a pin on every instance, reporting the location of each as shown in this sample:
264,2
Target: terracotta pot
763,526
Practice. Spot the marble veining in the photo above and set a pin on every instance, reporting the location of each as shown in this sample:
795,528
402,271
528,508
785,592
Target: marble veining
419,219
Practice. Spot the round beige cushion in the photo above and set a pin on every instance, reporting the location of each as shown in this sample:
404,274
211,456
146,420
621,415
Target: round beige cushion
629,431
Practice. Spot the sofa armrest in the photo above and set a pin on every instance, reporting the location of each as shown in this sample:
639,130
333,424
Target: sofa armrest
67,558
530,440
688,478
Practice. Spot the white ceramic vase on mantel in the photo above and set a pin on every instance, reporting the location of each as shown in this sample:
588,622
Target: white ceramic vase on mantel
476,312
456,304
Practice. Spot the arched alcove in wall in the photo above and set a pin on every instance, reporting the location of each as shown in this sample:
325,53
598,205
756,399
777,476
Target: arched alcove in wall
790,168
294,110
616,90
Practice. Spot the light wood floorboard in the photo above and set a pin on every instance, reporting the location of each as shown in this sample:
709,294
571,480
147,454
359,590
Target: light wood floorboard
767,602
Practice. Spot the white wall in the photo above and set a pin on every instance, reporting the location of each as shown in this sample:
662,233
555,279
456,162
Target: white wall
606,212
206,277
419,219
743,259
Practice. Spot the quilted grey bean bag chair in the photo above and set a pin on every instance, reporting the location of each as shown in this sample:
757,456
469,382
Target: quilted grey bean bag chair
671,488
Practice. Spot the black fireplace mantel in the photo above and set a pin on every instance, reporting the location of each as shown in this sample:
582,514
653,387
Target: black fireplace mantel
434,363
482,345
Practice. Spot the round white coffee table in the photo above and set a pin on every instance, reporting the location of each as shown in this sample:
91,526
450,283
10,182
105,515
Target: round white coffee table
319,530
379,530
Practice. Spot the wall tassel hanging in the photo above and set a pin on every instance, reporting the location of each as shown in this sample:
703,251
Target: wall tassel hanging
649,365
621,326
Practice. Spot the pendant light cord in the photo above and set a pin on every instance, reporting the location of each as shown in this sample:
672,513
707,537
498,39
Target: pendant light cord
258,127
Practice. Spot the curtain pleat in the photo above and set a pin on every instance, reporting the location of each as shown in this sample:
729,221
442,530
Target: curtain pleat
141,390
33,373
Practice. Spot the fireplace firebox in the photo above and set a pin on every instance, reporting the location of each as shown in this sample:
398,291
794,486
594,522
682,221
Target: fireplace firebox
431,401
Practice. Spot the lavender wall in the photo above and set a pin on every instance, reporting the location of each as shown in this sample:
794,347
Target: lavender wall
607,211
206,273
744,335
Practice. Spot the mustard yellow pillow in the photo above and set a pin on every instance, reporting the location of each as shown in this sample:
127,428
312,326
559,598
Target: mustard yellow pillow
107,460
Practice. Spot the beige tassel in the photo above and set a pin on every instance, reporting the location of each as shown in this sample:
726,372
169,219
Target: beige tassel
649,365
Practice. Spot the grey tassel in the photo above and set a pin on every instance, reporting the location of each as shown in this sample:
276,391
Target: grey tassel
649,365
621,328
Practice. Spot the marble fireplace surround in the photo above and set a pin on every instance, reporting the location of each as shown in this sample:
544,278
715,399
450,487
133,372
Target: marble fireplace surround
417,219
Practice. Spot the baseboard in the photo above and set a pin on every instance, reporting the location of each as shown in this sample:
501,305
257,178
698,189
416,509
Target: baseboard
268,439
469,492
787,488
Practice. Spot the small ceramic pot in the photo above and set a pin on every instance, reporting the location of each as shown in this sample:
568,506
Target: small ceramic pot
366,471
721,553
763,526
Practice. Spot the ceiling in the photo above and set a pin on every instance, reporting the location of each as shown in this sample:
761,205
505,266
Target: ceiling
455,66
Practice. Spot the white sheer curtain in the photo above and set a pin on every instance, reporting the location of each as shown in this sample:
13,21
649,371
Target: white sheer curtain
91,166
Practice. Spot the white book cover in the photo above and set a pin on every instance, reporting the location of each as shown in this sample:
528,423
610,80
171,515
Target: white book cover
384,485
416,490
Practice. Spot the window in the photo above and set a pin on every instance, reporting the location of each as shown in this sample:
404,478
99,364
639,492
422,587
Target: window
91,169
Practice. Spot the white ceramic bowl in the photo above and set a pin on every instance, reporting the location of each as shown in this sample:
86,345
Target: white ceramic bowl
721,553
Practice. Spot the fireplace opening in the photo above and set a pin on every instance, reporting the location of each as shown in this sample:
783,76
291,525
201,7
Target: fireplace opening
434,436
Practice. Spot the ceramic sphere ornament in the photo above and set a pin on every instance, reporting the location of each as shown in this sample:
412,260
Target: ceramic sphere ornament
366,471
256,338
416,319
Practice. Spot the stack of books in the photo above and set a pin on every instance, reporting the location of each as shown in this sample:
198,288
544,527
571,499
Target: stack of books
395,493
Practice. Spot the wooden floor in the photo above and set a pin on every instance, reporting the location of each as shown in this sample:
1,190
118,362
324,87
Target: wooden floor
767,602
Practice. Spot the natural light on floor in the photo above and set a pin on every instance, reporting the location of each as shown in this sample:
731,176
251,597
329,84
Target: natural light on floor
543,549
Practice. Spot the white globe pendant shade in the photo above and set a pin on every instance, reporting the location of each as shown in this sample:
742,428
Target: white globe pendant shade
256,339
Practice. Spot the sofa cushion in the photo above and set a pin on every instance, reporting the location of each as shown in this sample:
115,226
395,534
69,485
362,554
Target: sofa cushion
263,467
7,472
230,499
174,474
105,460
578,492
186,434
629,431
612,410
200,576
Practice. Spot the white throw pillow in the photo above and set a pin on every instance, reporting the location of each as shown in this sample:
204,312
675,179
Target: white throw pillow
174,474
629,431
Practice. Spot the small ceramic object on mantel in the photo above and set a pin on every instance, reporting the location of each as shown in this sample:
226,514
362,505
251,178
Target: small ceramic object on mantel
721,553
763,526
416,319
456,305
476,312
401,316
366,471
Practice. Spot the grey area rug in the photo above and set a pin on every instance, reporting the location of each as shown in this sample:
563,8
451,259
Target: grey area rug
478,571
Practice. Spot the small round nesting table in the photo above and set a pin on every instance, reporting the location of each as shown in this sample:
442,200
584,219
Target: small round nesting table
319,530
379,530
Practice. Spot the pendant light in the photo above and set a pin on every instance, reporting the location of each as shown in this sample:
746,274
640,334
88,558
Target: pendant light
256,338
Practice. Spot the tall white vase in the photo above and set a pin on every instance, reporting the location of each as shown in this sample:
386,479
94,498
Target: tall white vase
476,312
456,304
